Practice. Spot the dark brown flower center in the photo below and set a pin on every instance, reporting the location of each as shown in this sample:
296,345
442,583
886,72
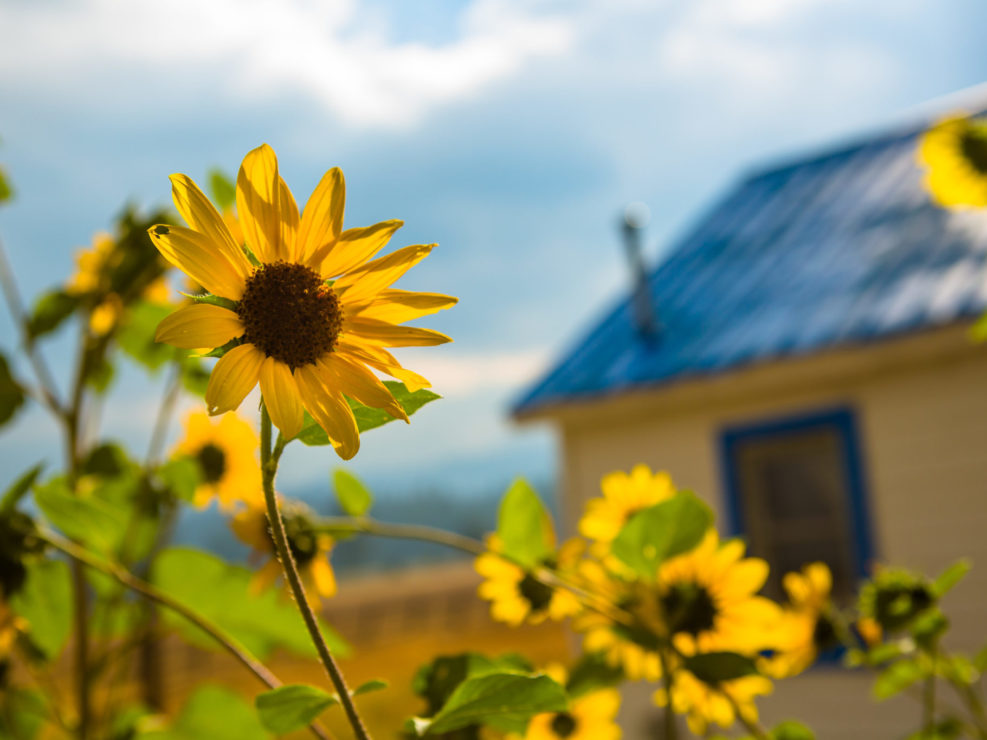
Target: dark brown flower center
688,607
536,593
563,724
289,313
973,144
212,462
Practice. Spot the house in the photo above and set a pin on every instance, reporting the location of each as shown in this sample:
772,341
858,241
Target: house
809,371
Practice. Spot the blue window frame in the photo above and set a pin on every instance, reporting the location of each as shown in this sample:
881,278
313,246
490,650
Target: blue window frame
795,489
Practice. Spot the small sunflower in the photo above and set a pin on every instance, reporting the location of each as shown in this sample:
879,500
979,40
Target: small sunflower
893,599
310,548
226,451
517,596
955,153
10,626
708,600
591,716
308,312
623,496
806,627
704,705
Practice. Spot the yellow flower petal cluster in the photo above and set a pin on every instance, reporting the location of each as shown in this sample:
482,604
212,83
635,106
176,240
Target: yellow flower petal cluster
312,314
310,548
704,705
954,151
806,628
517,596
227,453
623,496
591,716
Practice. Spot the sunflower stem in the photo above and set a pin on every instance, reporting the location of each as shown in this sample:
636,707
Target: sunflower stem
269,469
671,728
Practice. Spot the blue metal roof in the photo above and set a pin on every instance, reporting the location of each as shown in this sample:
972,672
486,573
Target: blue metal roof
835,249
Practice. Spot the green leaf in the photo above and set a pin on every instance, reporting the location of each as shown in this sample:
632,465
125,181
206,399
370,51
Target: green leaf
87,519
353,496
504,700
368,418
11,393
212,300
436,681
950,577
45,601
221,189
221,592
49,312
136,334
106,460
523,526
978,332
23,712
16,490
213,713
662,531
896,678
195,377
181,476
791,730
293,707
374,684
714,668
980,660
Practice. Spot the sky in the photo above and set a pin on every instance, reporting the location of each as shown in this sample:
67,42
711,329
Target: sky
511,133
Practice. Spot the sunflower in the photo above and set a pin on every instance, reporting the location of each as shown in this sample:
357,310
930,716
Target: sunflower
623,496
92,278
310,548
306,313
704,705
226,451
517,595
708,603
806,626
955,153
591,716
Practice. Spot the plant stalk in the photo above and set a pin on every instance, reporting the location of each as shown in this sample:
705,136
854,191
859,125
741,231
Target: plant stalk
269,469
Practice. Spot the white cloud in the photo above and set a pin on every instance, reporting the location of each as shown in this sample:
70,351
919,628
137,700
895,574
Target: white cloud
482,372
264,49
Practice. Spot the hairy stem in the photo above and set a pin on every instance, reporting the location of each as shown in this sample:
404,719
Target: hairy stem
269,469
230,644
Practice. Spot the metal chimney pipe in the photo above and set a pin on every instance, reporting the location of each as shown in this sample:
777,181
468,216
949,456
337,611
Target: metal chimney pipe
635,218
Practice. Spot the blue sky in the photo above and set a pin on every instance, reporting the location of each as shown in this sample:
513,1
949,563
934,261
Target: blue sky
511,133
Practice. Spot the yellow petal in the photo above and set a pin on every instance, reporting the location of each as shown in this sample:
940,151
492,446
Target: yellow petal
380,359
330,410
202,216
389,335
233,378
357,382
198,257
258,203
364,283
398,306
354,247
199,325
323,577
322,219
280,392
289,222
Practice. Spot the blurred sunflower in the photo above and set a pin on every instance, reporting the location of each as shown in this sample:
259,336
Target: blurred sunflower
708,602
10,626
226,452
92,278
517,596
591,716
309,315
955,152
310,548
704,705
806,625
623,496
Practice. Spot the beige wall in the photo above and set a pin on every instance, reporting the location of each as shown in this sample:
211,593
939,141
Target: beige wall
921,407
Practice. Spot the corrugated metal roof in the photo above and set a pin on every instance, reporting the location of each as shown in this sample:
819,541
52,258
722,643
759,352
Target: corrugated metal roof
839,248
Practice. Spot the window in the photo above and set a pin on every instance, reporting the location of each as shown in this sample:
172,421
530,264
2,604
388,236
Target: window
795,492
